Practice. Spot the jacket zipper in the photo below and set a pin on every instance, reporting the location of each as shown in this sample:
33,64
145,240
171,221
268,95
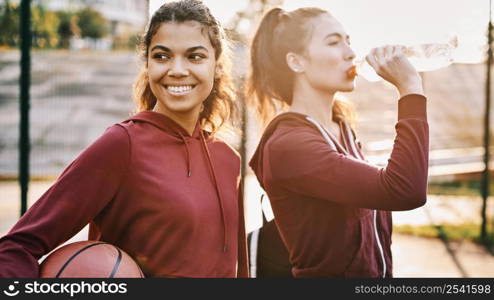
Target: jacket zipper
325,134
379,244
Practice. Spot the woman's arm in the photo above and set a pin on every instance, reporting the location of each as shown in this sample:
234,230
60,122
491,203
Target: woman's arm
301,162
78,195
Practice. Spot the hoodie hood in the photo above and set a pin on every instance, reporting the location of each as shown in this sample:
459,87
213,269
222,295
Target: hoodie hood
174,129
165,123
296,120
288,119
168,125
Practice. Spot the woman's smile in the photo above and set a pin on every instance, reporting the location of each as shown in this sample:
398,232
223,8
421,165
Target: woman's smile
179,90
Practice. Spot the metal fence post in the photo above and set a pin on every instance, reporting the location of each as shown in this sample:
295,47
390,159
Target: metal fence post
24,86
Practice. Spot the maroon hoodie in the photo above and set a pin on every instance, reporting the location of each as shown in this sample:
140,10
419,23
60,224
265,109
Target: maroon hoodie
169,199
332,208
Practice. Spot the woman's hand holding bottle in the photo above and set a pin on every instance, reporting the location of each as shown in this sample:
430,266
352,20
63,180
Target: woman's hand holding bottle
391,63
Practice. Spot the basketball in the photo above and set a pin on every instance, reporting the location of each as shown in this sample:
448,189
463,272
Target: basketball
89,259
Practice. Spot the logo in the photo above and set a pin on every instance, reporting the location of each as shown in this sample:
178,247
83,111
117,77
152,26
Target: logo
11,290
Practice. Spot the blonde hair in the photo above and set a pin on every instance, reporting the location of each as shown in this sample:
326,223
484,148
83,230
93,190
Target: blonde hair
270,81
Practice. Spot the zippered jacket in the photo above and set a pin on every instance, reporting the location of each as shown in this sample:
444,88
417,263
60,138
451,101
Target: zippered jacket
333,208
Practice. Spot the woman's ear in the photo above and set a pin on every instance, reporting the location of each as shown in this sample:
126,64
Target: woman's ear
294,62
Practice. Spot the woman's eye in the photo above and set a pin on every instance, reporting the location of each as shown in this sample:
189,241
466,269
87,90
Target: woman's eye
196,57
161,56
336,43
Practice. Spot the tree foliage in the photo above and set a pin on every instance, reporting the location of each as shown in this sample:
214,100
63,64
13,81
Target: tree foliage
50,29
68,27
9,24
44,25
92,23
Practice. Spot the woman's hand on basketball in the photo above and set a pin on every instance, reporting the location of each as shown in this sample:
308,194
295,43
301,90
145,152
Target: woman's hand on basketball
393,66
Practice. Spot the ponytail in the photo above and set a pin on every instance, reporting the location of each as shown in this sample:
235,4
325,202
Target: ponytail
269,70
270,83
344,110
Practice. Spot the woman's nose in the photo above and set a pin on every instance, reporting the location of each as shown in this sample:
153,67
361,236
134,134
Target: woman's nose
178,69
349,54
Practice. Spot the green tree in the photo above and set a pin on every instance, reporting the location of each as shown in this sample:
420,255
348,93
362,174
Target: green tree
9,24
67,28
44,27
92,23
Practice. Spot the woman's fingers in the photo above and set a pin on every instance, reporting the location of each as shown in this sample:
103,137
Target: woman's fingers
390,63
387,53
395,51
380,55
371,59
379,58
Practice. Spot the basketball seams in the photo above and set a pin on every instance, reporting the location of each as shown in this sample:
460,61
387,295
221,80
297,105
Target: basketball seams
71,258
117,263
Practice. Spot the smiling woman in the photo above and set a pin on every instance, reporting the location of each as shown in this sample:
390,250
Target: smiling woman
181,71
196,67
160,186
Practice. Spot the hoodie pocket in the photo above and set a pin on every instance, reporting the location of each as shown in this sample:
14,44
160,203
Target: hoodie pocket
364,263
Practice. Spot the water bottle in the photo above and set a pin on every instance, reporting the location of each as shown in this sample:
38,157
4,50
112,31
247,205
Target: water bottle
424,57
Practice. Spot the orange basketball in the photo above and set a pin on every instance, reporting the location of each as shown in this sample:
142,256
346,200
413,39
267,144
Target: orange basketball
90,259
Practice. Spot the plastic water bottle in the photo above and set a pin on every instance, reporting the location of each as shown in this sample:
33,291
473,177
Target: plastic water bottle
424,57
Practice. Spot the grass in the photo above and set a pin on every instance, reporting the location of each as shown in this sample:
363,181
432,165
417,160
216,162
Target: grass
449,232
458,188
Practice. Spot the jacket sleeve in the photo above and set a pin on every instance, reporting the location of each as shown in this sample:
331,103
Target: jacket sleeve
77,196
301,162
243,261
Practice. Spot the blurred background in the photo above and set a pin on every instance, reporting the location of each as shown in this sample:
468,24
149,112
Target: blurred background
84,61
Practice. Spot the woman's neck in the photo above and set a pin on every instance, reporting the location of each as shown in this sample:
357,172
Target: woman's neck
187,121
316,104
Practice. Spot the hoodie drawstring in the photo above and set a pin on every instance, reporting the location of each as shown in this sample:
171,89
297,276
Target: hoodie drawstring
211,168
189,172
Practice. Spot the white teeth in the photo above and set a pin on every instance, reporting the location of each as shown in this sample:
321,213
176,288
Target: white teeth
180,88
